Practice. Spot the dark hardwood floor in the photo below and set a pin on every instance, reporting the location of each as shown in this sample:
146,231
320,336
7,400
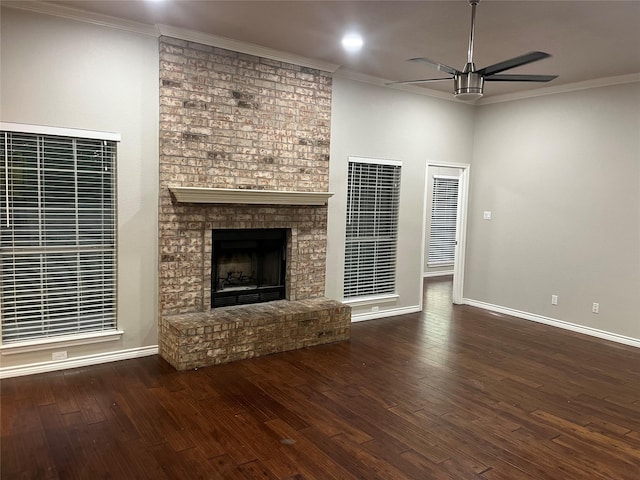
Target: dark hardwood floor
452,393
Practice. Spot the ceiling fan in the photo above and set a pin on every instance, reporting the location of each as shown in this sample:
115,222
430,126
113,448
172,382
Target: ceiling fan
469,82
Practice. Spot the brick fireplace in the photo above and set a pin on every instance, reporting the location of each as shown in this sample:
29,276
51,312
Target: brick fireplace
233,125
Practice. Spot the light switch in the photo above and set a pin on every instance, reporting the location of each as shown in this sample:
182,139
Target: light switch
487,215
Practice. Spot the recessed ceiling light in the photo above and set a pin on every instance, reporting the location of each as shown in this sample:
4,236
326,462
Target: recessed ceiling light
352,42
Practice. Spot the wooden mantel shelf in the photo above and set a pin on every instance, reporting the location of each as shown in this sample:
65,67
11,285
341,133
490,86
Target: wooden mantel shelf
252,197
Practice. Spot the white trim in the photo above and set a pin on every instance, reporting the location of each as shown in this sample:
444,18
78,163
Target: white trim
83,16
439,273
393,312
376,161
593,332
248,197
59,342
538,92
461,228
245,47
371,300
568,87
423,237
457,293
59,131
84,361
447,177
448,165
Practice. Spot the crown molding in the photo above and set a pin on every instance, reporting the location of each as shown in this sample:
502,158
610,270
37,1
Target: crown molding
566,88
248,197
245,47
83,16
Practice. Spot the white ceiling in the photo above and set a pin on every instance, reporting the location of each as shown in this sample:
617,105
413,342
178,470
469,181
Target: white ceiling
587,39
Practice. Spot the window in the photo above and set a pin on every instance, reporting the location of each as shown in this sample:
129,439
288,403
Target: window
373,194
57,235
444,208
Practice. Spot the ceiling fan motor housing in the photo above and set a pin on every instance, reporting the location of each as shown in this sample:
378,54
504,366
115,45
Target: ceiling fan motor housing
468,85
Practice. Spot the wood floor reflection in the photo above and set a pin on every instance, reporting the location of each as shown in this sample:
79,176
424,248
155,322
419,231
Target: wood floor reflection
453,392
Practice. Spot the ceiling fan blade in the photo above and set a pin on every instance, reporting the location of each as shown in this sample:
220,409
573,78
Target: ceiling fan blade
512,63
520,78
425,80
439,66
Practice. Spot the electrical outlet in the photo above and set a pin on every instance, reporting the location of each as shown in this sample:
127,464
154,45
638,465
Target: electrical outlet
375,308
62,355
595,308
554,299
486,215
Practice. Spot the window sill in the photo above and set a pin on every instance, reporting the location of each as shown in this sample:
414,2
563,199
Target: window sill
60,342
374,299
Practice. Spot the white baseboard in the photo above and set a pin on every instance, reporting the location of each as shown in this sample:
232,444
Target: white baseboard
392,312
83,361
593,332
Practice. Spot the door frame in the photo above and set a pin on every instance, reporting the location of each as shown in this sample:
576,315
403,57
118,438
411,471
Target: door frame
461,227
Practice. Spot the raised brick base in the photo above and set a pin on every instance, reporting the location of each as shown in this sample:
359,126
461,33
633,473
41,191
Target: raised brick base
224,335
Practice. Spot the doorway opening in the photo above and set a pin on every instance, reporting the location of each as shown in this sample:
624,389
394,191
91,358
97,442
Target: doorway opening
444,224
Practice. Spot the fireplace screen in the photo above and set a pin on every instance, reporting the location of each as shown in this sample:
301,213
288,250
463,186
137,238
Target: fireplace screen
248,266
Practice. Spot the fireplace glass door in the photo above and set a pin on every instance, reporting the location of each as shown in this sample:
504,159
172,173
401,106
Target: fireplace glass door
248,266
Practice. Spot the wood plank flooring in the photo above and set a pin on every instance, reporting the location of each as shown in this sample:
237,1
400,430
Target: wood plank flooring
451,393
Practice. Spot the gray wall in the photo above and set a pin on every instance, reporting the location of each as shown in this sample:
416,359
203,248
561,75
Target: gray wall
72,74
561,174
378,122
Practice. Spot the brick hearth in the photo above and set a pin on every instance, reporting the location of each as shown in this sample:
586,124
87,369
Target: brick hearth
236,333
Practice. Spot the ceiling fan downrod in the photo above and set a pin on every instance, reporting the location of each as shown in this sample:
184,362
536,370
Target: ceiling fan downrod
468,84
474,4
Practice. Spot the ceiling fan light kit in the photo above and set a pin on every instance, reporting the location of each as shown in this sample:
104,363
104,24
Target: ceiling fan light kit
468,86
469,82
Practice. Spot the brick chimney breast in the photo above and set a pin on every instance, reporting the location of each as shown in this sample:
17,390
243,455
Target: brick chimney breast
236,121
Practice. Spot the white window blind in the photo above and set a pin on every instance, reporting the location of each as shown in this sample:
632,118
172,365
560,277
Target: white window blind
373,194
444,207
57,236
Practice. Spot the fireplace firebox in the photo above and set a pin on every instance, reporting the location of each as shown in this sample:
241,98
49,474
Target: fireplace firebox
248,266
